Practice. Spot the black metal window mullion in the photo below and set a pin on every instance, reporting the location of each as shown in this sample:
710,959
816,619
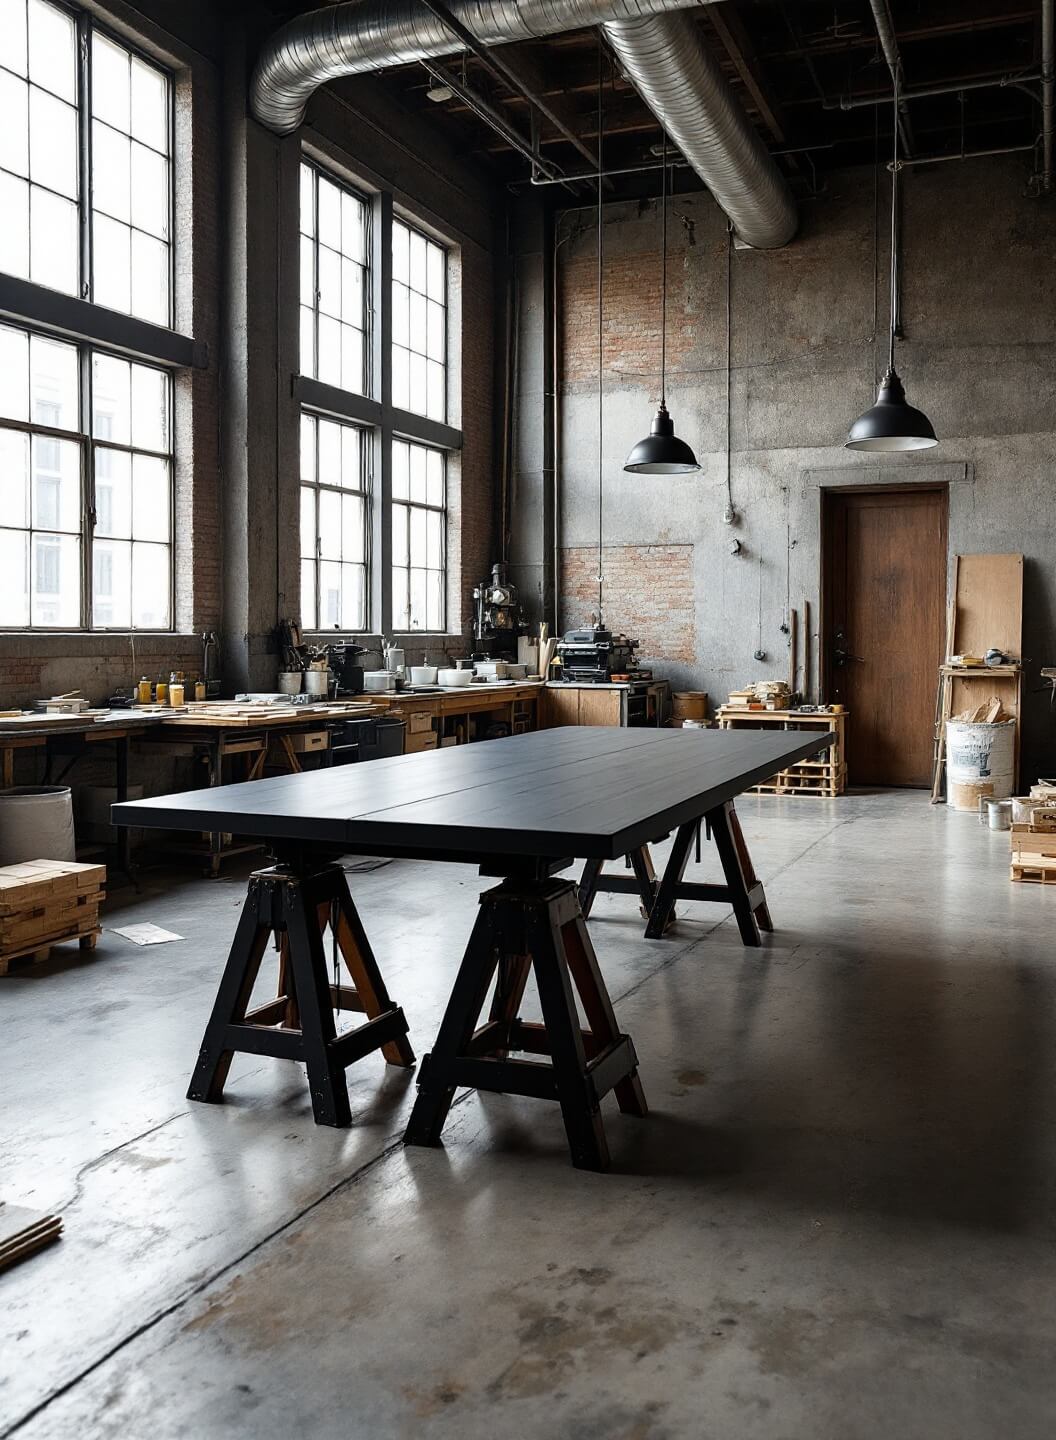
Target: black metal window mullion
84,139
84,361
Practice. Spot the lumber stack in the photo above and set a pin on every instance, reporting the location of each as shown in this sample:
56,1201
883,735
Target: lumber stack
43,903
1034,843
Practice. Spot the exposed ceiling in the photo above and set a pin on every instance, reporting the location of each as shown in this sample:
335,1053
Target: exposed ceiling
792,63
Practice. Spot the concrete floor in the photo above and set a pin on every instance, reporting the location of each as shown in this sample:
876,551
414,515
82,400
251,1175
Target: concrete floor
837,1221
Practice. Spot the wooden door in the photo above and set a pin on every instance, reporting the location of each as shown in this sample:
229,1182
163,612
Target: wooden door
884,587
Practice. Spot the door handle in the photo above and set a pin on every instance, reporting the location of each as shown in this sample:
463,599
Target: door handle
840,654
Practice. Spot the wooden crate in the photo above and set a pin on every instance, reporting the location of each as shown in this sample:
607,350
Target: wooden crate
826,777
44,903
1033,855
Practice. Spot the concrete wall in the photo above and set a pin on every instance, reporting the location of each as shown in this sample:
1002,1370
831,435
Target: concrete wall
979,310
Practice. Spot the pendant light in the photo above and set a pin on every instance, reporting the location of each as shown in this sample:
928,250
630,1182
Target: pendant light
891,424
661,452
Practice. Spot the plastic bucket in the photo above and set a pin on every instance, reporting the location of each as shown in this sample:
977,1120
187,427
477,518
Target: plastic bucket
979,762
36,823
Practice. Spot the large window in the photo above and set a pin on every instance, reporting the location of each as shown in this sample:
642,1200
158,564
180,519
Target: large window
85,194
373,387
418,540
86,487
335,524
335,283
419,323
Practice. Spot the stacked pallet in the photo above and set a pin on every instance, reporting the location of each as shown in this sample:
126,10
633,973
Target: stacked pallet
824,774
43,903
1034,840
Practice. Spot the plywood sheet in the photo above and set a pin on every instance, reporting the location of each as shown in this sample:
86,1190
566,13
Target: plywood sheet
989,605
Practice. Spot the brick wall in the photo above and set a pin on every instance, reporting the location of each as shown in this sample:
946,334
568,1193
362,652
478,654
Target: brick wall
648,592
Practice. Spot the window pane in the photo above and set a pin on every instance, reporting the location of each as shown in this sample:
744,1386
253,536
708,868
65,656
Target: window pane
419,602
401,460
329,281
436,406
14,124
150,408
150,278
352,535
110,83
150,586
400,240
329,525
111,399
352,359
434,539
53,245
353,597
351,457
150,105
14,578
14,232
399,600
111,172
53,384
401,315
307,272
435,599
111,583
150,191
419,460
435,268
14,373
307,522
14,477
329,214
13,37
307,201
55,483
418,552
52,143
113,494
329,594
307,448
307,342
418,394
112,255
352,293
399,535
353,227
418,322
308,619
56,577
150,498
434,478
417,274
435,326
329,453
329,350
51,49
401,377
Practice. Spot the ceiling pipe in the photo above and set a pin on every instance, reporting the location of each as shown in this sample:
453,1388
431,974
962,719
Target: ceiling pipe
679,79
675,74
885,28
951,87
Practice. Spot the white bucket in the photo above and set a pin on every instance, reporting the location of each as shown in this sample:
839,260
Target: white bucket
979,762
36,823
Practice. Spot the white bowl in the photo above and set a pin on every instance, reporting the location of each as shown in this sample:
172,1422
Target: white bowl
454,679
423,674
378,682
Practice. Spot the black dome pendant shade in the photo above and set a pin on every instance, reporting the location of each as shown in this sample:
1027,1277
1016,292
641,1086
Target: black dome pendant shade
662,452
891,424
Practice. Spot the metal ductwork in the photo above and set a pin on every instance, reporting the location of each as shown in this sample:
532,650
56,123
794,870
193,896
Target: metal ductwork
679,79
661,52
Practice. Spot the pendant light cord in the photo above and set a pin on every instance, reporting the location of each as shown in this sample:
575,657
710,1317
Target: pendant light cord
663,277
894,232
601,335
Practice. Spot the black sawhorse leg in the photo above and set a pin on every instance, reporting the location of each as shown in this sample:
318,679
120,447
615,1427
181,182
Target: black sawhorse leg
642,883
297,904
531,925
742,890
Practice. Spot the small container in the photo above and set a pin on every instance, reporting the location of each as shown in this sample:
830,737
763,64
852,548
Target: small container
161,692
1000,814
176,692
199,689
143,691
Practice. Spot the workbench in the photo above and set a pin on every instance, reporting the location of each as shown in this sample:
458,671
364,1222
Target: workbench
521,808
613,702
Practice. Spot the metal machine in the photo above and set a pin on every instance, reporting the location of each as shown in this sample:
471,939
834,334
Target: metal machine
499,617
596,655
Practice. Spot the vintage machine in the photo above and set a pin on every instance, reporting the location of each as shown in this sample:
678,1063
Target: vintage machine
596,655
499,617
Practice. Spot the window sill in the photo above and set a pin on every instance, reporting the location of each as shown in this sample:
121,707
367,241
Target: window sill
93,642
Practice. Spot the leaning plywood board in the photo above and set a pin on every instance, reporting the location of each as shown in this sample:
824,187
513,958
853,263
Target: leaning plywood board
989,598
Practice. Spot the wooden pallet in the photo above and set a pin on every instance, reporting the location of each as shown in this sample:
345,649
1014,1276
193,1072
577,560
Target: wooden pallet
1033,870
38,952
827,777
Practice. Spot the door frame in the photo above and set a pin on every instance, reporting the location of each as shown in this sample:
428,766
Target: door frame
828,493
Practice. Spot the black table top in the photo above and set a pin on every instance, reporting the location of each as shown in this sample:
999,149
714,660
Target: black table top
587,791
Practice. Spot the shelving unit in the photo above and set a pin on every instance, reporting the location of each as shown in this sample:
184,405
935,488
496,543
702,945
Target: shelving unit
826,777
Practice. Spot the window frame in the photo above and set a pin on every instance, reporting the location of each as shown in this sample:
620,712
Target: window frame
367,330
406,503
86,25
376,412
412,230
365,490
87,445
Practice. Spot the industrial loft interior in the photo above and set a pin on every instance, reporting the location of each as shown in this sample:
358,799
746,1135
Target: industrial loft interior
527,719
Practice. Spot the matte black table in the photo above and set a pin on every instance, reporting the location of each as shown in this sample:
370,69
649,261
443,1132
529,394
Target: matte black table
521,809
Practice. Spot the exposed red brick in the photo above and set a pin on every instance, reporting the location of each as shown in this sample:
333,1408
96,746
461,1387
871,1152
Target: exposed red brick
648,593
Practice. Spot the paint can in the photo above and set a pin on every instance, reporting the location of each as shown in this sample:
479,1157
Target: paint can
980,762
999,814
